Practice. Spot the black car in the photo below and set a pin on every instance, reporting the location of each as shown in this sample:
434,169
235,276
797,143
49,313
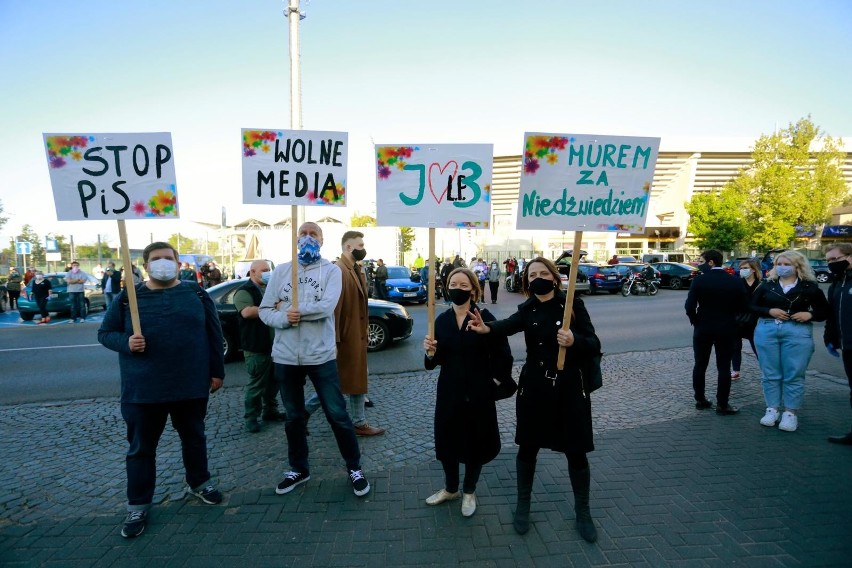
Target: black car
676,275
820,266
389,322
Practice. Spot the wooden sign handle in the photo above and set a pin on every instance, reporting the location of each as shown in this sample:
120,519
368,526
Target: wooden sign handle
129,284
569,300
294,238
430,285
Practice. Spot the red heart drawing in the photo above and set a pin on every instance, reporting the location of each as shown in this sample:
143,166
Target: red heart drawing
442,178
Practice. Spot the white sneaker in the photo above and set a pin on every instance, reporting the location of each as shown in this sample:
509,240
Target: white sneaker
789,422
770,418
468,504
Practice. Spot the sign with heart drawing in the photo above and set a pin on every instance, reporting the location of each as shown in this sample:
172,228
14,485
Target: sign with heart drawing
434,185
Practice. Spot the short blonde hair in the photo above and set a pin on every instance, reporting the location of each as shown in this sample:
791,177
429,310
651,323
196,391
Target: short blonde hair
476,291
799,262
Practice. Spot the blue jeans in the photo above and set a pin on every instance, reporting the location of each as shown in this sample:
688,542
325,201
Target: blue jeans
77,305
108,297
784,350
356,407
145,424
291,382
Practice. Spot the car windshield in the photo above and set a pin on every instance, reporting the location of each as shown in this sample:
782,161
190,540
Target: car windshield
398,272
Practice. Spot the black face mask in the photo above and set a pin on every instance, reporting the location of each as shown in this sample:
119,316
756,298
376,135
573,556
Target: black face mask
838,267
705,267
359,254
459,296
540,286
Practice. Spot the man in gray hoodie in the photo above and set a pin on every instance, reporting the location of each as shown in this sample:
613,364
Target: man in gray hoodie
305,346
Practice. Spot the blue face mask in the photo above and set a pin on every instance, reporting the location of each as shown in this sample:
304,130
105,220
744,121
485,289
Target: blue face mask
265,276
785,271
309,250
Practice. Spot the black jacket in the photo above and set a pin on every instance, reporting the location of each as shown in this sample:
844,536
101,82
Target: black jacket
805,296
552,409
115,288
715,298
838,324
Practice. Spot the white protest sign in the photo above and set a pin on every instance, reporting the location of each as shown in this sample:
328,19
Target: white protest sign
434,185
586,182
294,167
112,176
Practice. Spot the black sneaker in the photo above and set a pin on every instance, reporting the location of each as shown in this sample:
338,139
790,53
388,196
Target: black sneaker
292,479
360,485
208,494
134,524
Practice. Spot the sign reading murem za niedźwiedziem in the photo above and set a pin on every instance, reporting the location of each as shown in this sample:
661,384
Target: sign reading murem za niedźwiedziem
294,167
586,182
112,176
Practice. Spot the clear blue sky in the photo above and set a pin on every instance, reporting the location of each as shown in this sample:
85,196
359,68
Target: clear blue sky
400,71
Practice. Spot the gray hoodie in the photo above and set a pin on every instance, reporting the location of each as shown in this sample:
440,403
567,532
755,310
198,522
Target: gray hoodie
312,341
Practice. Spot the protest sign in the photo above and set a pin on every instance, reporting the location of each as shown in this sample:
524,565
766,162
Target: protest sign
586,182
294,167
112,176
434,185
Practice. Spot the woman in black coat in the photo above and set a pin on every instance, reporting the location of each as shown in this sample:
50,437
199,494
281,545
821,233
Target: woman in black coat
41,288
751,275
466,428
553,408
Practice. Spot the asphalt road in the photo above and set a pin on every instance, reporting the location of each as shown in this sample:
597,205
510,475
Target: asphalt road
63,361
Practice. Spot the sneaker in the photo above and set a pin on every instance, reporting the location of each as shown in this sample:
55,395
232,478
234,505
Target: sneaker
292,479
360,485
789,422
735,375
468,504
770,418
134,524
208,494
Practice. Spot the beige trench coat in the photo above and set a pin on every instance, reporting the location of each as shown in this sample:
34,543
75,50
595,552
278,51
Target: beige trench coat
351,318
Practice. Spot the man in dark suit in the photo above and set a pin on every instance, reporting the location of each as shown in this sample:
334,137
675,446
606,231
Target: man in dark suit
715,298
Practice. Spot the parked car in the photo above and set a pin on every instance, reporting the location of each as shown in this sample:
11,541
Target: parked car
820,266
676,275
563,264
389,322
59,301
601,277
732,266
404,286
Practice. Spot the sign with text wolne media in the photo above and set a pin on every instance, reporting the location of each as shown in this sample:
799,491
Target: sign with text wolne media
294,167
586,182
112,176
434,185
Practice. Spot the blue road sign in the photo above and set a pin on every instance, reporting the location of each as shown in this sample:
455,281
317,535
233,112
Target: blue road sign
23,247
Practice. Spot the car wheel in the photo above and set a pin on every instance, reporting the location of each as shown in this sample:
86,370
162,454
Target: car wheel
676,283
378,335
27,316
230,347
625,289
822,277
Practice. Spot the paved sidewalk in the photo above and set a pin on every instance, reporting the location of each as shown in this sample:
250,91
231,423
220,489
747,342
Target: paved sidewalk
671,486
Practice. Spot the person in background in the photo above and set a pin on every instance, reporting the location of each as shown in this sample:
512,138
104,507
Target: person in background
613,261
552,407
481,270
256,340
110,283
29,275
494,280
187,273
214,275
13,287
41,291
167,371
751,276
838,326
446,268
787,302
75,279
381,289
466,429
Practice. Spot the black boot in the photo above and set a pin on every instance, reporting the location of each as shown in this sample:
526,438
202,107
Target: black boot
580,481
526,473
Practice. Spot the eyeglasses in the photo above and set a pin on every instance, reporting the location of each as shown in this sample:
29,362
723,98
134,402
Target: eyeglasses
832,259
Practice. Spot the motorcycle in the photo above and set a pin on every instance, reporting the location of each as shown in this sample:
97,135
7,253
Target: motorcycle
637,284
513,281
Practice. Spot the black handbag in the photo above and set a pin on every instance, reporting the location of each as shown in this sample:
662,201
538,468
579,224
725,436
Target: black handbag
505,388
590,371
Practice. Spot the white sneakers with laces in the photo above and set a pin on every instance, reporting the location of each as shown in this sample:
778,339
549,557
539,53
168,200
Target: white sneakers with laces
789,422
770,418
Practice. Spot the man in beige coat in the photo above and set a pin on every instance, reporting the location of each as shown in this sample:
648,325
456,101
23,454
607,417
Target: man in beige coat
351,318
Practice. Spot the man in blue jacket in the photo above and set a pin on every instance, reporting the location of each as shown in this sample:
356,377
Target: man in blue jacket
838,326
167,370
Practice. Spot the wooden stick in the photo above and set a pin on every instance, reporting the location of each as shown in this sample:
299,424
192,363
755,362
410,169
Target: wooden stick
294,238
129,284
430,285
569,300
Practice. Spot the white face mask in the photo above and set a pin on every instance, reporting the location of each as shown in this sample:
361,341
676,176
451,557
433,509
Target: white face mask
163,269
265,276
745,272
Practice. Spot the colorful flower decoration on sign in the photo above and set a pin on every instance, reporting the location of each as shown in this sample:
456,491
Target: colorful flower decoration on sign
546,148
254,140
161,204
61,147
389,156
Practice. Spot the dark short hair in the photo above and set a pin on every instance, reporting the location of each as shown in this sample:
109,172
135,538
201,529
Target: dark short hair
156,246
714,255
351,235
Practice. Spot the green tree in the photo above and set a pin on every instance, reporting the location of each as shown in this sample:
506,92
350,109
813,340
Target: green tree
3,219
406,234
362,221
37,257
717,219
795,179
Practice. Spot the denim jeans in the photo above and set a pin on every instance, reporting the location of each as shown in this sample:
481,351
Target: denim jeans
145,424
261,389
77,305
356,407
291,382
109,297
784,350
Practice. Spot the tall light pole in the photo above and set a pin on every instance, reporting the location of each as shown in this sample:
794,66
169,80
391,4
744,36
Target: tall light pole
293,17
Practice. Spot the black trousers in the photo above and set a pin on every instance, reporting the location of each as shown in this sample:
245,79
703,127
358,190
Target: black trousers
702,345
847,366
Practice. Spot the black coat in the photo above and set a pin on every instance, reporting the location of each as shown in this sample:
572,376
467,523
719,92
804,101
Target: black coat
838,325
805,296
747,330
714,300
465,414
552,413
